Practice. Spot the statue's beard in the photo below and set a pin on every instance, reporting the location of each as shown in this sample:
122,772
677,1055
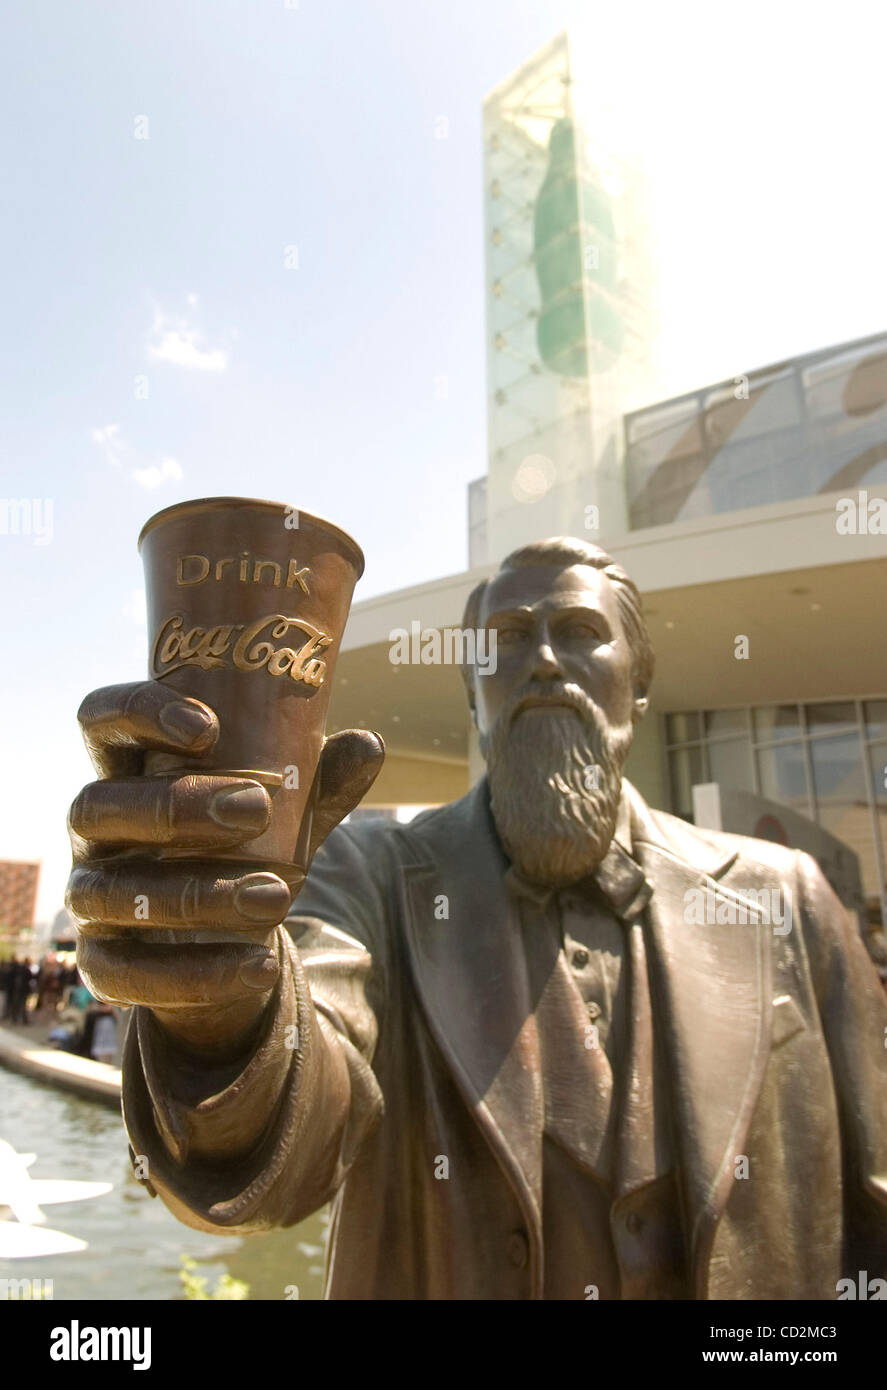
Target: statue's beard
554,813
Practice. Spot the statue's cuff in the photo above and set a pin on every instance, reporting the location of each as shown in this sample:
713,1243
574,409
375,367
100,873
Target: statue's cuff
221,1111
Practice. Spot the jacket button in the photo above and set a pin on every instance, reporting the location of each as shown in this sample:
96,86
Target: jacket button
518,1249
580,958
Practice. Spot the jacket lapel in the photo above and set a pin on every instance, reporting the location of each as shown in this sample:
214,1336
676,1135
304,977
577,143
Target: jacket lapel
712,1001
466,967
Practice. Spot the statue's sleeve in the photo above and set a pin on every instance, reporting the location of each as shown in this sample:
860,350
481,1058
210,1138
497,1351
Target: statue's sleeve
853,1009
268,1138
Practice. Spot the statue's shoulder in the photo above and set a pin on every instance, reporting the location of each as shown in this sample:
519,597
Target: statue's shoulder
443,834
434,826
702,847
459,833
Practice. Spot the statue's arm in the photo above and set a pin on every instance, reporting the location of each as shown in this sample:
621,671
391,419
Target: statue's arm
853,1009
268,1137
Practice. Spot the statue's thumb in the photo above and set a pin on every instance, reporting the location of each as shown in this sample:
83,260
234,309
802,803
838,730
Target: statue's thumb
349,765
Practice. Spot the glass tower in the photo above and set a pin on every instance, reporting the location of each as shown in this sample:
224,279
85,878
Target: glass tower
570,318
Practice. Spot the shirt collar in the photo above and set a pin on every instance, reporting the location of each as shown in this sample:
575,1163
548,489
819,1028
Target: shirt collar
618,880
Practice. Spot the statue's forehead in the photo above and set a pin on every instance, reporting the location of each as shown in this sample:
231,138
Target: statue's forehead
547,586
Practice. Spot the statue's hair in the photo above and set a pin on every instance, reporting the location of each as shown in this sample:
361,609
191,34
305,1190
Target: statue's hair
565,551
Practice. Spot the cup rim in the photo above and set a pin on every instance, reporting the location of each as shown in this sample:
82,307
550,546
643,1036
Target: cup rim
205,504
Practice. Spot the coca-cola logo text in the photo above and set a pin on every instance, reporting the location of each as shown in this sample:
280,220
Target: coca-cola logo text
246,646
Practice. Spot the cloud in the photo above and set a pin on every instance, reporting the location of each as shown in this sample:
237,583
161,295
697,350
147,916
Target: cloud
155,474
179,348
108,439
117,450
179,343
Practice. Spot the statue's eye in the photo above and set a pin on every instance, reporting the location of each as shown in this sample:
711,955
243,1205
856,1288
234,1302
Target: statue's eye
581,629
511,634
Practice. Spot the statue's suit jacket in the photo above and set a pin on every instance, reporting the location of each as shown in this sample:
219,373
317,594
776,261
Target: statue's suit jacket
398,1070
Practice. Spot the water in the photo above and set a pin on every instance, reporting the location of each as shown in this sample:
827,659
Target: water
134,1243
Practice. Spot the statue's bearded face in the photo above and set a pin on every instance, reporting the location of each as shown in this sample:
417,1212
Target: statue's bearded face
555,774
556,718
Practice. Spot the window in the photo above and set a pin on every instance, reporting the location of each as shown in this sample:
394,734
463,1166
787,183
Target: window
730,763
687,769
773,722
827,761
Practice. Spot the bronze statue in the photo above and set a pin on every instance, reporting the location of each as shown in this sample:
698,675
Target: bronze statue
544,1042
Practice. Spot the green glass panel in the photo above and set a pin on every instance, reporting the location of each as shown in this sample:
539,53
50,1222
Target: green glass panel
576,264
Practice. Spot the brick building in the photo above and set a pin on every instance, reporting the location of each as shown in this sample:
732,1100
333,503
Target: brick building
18,893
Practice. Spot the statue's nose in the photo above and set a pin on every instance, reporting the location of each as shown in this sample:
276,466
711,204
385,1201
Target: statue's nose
545,663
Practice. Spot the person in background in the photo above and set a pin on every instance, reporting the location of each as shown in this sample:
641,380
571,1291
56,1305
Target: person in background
70,978
104,1036
6,969
80,997
20,991
49,988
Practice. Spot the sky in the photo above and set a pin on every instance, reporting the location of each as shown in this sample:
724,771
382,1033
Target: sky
238,257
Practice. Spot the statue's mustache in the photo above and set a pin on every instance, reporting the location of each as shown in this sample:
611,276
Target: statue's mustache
551,697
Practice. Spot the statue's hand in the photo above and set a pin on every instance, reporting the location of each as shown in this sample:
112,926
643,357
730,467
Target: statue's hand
190,937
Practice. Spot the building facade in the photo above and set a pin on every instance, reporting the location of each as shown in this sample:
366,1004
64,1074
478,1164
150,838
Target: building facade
752,514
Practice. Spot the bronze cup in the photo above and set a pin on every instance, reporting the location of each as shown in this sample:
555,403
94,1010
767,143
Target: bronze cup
247,604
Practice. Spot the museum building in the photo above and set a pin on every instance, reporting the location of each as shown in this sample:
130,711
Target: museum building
752,514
